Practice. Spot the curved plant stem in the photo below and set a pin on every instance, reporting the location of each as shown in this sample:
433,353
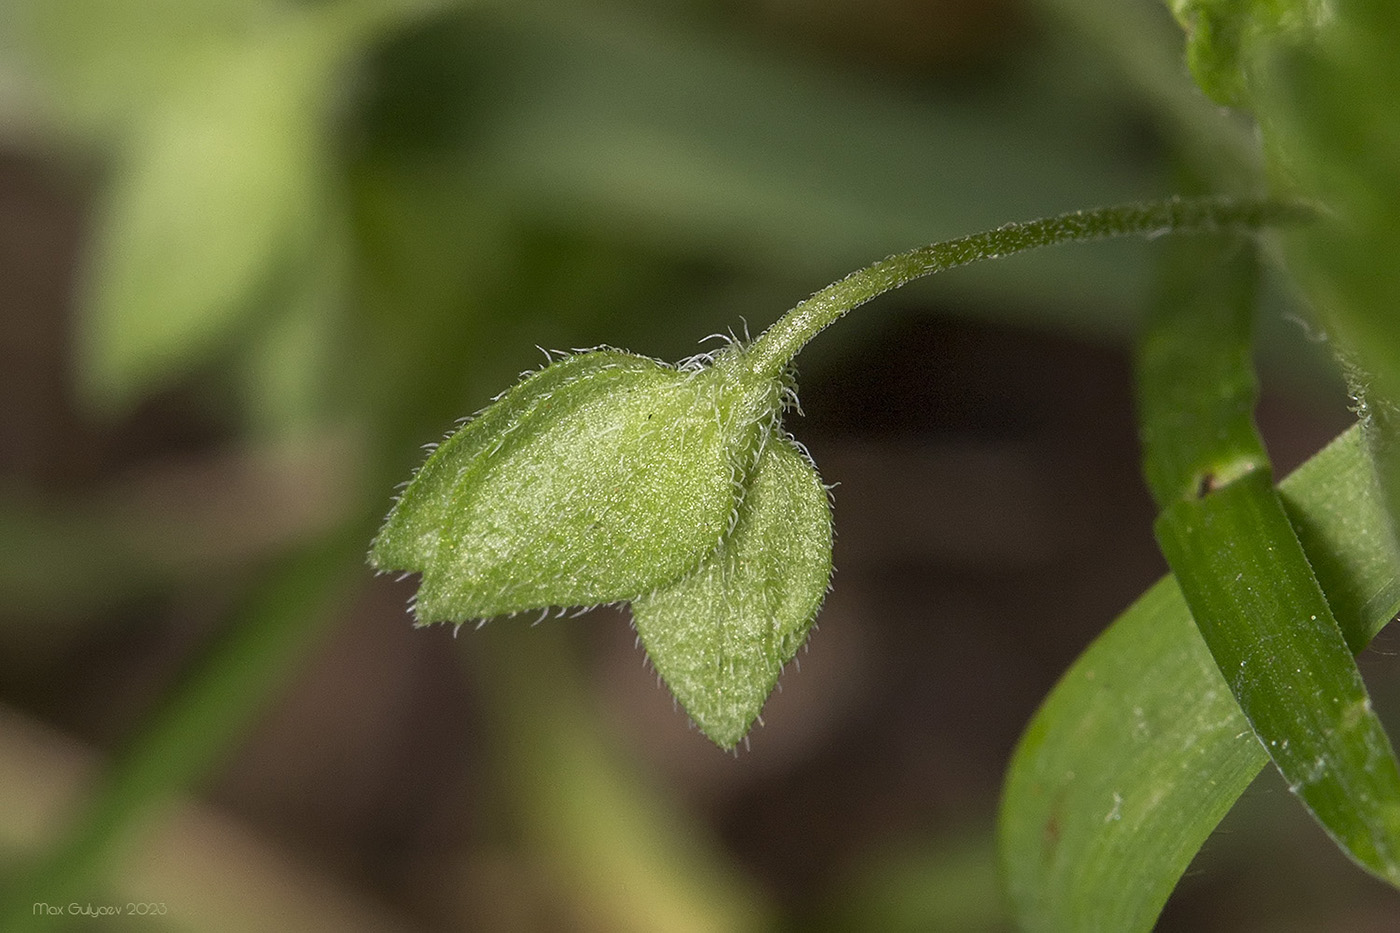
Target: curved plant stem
779,344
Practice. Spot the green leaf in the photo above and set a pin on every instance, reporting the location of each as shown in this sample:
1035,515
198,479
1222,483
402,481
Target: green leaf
1141,749
1271,632
103,64
1332,130
1323,77
1245,577
1221,38
594,480
1195,372
721,636
606,477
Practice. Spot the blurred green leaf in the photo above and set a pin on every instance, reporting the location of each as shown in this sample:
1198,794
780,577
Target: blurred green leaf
219,191
1141,748
162,530
102,65
706,143
292,362
1143,44
1221,37
1333,131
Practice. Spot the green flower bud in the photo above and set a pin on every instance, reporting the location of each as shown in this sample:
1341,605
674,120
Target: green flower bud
609,477
594,480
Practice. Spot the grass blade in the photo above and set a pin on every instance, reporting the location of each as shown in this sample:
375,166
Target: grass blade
1120,777
1271,632
1244,575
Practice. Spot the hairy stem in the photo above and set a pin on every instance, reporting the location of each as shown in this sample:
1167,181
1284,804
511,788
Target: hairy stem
779,344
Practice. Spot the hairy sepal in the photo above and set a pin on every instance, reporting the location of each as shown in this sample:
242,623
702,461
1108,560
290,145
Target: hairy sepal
721,636
600,477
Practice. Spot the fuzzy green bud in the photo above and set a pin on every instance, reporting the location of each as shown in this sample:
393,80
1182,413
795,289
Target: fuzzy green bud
608,477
